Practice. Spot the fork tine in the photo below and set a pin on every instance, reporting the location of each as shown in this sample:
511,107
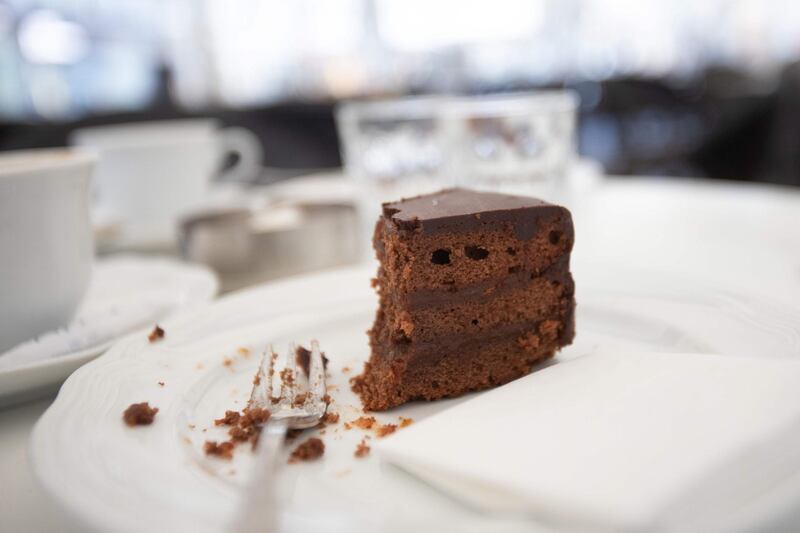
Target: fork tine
256,394
261,394
289,377
316,374
270,373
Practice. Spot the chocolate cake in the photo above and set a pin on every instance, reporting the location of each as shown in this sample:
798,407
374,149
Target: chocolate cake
474,289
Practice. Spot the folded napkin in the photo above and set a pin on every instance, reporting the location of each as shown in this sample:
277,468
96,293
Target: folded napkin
126,293
621,442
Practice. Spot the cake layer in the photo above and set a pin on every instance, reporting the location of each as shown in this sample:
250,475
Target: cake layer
390,381
540,298
558,272
429,262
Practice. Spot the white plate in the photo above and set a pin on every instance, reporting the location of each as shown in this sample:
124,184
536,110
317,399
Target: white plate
156,478
157,287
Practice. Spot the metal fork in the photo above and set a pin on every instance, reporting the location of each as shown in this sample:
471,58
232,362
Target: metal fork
288,411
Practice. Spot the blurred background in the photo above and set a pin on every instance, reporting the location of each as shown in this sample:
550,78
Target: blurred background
670,89
674,88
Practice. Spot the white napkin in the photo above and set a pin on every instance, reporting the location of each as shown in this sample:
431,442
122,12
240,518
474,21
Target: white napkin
621,442
126,293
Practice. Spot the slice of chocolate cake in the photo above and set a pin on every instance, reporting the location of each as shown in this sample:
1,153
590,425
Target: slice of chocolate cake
474,290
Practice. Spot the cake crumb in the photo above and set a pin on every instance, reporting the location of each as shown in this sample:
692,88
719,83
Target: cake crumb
230,419
223,450
330,417
299,399
227,362
363,422
157,334
139,414
192,426
160,383
362,450
240,434
287,377
386,429
254,416
244,352
345,370
405,422
327,399
309,450
245,426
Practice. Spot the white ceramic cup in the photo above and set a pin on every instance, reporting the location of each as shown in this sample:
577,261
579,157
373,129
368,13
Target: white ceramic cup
150,173
46,246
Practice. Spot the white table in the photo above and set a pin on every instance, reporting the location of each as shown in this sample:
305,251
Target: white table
23,504
741,235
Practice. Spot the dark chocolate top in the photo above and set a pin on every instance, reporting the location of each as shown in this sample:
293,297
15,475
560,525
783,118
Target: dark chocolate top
465,210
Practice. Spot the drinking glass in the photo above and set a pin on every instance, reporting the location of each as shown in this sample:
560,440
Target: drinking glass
519,142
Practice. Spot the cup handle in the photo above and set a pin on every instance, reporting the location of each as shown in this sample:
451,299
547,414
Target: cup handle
247,146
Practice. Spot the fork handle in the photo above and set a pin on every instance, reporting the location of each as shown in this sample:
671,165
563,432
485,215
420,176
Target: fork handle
259,512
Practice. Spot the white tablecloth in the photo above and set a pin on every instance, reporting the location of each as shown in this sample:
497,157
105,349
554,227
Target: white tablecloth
741,234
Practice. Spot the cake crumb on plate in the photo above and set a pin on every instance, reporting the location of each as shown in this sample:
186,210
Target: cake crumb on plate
157,334
384,430
330,417
231,418
223,450
362,450
139,414
362,422
309,450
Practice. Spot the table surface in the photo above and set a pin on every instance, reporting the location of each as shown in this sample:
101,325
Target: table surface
736,234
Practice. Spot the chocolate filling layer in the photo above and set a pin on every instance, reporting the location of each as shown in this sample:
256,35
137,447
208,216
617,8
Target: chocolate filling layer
452,345
557,272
